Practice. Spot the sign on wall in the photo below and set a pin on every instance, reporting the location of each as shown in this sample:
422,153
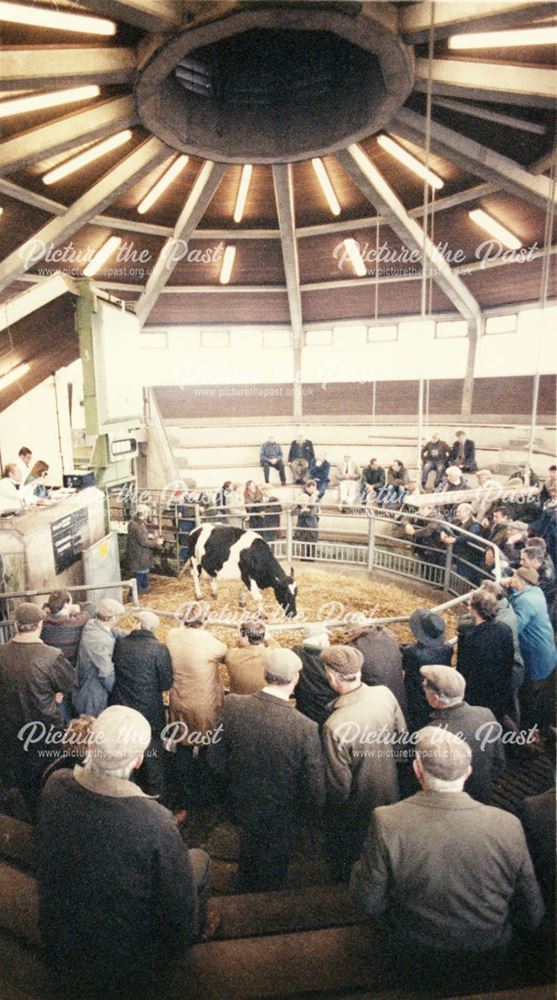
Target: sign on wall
70,535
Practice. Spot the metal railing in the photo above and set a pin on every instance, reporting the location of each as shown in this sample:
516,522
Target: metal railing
7,625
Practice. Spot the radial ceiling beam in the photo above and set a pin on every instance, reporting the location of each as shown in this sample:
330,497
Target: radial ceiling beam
138,163
34,298
91,123
284,197
456,17
206,183
51,67
375,188
149,15
475,158
499,82
486,114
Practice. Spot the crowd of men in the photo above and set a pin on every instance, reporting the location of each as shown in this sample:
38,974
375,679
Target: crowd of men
386,756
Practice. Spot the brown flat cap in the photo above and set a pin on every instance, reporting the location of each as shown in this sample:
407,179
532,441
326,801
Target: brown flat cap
446,681
344,660
527,573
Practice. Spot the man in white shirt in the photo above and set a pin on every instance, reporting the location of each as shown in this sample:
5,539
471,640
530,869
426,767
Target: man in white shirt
23,462
348,478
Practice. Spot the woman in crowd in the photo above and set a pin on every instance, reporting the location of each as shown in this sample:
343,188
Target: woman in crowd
430,648
253,498
35,486
485,657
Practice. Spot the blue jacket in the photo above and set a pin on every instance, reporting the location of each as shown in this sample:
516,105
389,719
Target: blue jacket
270,449
535,634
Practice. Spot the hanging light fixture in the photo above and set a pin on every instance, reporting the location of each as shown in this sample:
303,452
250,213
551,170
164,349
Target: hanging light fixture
14,375
227,264
355,257
102,255
495,229
506,39
51,99
58,20
242,192
326,186
413,164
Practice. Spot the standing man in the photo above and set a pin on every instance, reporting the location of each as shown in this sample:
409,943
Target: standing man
276,773
444,689
535,635
359,739
34,678
449,877
270,457
463,453
23,463
140,545
485,657
300,456
143,670
95,669
435,455
120,896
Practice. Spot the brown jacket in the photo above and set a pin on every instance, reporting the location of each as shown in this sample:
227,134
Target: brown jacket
246,667
196,695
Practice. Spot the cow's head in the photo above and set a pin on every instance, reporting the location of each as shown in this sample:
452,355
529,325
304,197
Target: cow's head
286,589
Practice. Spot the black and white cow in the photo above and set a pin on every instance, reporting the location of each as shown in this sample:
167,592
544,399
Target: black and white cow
219,551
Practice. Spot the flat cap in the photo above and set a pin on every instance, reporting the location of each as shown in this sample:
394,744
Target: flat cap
529,574
118,736
282,663
107,608
29,614
446,681
344,660
442,754
147,619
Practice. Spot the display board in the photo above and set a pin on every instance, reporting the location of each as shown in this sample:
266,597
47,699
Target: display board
109,345
70,535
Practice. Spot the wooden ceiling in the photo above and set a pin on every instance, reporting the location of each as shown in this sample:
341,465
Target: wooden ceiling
492,152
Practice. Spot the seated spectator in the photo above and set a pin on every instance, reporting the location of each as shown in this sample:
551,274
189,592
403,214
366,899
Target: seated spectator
275,767
236,508
501,528
307,525
34,678
463,453
452,481
246,662
300,456
320,471
35,488
195,704
253,499
11,497
270,457
270,512
430,647
426,857
143,671
140,896
393,493
435,454
536,637
382,656
535,556
357,781
94,666
347,477
549,483
485,658
488,491
372,481
312,693
63,624
524,475
444,689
